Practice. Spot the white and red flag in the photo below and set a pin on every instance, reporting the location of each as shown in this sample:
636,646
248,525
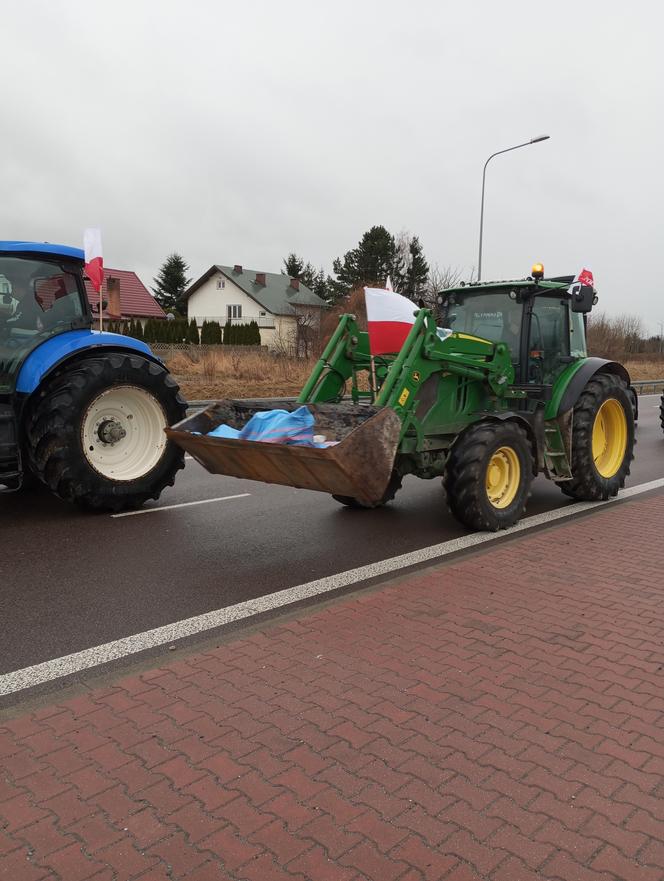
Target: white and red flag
94,261
585,277
390,318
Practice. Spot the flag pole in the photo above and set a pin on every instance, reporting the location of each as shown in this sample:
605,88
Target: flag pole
373,379
101,308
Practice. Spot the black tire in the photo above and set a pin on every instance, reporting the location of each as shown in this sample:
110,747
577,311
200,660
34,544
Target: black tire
587,483
467,468
661,412
54,431
393,488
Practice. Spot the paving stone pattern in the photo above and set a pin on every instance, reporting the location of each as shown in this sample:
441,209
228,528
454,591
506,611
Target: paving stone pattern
498,717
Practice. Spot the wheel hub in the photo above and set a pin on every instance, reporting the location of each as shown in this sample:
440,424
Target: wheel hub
609,438
503,475
111,431
122,433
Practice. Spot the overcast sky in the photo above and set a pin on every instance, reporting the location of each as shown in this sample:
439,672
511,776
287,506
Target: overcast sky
236,132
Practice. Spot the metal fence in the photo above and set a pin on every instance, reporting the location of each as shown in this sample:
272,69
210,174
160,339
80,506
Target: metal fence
168,350
649,386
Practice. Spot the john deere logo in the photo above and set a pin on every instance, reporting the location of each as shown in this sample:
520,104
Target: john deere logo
416,375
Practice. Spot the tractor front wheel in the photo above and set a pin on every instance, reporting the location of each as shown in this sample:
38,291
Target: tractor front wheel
602,440
488,475
95,432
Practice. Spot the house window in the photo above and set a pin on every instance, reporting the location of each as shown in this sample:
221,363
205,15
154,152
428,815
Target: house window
221,284
233,312
263,314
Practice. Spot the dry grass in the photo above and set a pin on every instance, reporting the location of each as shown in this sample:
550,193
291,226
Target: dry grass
220,374
645,369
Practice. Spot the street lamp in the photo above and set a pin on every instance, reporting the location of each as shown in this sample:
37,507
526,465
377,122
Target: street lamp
508,150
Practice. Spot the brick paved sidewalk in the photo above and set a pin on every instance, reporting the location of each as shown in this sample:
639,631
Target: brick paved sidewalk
499,717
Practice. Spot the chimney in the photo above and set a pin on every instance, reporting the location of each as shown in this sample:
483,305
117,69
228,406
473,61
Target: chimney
295,284
260,278
114,308
237,268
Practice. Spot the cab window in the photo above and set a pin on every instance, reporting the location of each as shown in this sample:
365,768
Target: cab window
496,316
549,339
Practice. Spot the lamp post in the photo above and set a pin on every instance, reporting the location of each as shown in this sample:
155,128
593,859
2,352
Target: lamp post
508,150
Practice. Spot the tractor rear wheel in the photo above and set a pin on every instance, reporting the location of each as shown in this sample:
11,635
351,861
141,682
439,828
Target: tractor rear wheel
602,440
95,432
488,475
393,488
661,412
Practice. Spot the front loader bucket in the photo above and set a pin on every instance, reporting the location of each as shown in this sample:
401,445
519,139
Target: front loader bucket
360,465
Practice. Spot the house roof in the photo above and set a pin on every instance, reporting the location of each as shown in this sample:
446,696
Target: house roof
277,295
135,299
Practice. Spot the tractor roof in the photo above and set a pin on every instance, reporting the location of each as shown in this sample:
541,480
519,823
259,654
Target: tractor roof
561,282
7,247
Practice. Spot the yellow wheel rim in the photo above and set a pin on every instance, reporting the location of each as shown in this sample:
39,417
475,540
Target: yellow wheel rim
503,477
609,437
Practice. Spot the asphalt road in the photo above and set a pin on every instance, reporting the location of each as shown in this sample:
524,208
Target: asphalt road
71,580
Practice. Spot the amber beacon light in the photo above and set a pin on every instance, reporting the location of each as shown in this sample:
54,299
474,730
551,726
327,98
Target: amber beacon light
538,270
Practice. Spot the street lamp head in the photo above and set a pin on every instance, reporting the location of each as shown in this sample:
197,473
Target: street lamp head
539,138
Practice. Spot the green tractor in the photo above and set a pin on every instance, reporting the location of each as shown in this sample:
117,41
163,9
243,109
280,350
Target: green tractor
506,393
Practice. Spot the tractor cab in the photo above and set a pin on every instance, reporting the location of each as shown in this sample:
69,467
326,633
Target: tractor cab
542,321
41,295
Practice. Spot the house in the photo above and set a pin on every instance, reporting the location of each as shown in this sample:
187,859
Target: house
286,311
136,301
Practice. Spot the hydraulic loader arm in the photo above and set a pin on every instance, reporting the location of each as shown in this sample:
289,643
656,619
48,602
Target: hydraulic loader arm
425,353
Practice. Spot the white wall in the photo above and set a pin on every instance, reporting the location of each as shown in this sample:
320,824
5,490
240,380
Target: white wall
208,302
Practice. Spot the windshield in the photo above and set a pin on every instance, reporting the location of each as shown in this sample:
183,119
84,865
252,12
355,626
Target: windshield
38,298
493,316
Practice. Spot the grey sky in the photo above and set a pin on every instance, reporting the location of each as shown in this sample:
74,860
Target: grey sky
235,132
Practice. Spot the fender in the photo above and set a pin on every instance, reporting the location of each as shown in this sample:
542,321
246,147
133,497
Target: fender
533,422
55,351
577,383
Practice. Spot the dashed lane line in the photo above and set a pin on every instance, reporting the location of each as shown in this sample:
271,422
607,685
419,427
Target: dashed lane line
178,505
67,665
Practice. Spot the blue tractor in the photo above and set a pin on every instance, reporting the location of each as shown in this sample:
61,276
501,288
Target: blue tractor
83,411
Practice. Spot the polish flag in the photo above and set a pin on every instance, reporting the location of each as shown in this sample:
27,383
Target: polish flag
390,318
94,262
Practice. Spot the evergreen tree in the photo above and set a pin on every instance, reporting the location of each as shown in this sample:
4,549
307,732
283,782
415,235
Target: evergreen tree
171,284
138,330
215,333
295,267
193,336
374,259
416,275
228,334
321,285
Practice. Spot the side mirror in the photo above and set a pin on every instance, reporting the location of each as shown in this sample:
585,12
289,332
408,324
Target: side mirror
583,297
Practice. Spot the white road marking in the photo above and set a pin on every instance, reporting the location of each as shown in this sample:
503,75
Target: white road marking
179,505
56,668
188,457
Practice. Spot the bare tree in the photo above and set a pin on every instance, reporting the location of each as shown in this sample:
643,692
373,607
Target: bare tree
614,337
441,278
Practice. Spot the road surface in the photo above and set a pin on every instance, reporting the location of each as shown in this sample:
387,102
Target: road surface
71,580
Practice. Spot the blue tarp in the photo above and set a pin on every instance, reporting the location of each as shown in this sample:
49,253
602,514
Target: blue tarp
276,427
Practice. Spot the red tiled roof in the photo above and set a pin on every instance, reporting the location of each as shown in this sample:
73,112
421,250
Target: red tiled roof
136,299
